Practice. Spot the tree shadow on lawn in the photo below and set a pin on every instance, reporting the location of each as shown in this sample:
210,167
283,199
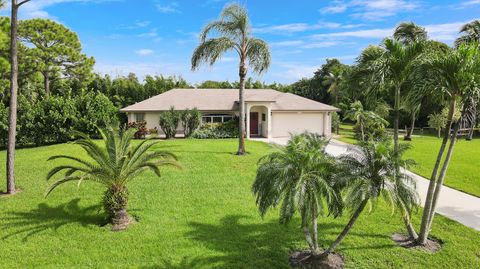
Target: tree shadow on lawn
249,245
243,244
46,217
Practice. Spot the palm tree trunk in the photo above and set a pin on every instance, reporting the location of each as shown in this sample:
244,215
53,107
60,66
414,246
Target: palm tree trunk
315,231
408,137
306,233
438,132
396,119
410,229
115,202
347,228
362,131
422,237
12,115
241,99
441,177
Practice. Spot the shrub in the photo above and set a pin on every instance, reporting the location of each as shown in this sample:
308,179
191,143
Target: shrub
373,128
191,119
94,109
141,128
169,121
227,129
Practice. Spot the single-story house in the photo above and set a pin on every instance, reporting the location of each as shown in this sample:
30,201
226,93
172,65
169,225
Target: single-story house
269,113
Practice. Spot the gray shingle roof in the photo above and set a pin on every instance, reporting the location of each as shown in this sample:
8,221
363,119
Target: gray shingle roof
225,100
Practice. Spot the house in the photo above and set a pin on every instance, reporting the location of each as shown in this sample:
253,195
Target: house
269,113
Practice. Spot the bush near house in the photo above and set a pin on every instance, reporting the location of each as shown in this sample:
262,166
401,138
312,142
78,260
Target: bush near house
191,120
141,128
227,129
169,122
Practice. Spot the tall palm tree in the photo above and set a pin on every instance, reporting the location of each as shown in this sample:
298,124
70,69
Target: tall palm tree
234,34
409,33
470,33
113,165
332,80
299,178
12,115
370,173
456,76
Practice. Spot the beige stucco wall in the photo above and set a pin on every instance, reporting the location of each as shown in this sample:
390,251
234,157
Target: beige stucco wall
284,123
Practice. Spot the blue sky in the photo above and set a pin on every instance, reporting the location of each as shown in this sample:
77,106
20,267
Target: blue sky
158,36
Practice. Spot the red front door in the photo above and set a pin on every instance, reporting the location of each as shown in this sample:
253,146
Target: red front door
253,123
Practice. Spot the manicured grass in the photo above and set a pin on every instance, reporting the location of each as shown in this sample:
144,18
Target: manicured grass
201,217
463,171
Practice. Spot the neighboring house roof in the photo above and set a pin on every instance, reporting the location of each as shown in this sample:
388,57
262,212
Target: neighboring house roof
225,100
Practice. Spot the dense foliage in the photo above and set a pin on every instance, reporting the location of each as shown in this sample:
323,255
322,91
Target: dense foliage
191,120
227,129
169,121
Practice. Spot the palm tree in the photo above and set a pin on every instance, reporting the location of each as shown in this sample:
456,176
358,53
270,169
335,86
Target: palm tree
234,34
409,33
369,174
456,76
299,177
361,117
113,166
471,33
12,115
332,80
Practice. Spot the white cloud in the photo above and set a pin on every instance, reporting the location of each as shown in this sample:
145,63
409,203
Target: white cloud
301,27
36,8
150,34
371,10
168,8
471,3
144,52
445,32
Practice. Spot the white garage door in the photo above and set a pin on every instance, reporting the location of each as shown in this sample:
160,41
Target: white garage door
285,123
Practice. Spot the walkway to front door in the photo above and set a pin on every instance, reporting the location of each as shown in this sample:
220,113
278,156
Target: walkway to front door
254,123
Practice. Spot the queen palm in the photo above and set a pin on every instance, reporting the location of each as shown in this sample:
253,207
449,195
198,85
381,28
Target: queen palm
299,178
113,165
234,34
370,173
456,77
470,33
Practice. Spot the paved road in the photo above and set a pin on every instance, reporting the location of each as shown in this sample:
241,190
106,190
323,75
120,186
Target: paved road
453,204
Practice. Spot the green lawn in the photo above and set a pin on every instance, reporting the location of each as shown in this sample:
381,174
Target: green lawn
463,171
201,217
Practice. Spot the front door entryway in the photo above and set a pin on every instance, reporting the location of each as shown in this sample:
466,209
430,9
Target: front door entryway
253,123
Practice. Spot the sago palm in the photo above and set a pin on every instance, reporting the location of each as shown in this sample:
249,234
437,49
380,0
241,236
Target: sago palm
234,33
370,173
299,178
113,165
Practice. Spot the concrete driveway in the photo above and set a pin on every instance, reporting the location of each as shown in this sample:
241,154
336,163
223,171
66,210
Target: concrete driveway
453,204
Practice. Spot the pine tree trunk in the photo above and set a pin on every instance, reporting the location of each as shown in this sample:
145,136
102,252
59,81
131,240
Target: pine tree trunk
347,228
422,237
12,116
441,177
241,101
46,83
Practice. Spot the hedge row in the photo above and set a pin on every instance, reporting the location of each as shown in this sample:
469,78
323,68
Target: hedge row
52,119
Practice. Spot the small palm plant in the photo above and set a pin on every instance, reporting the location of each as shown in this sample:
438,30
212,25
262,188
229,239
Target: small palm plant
113,165
299,178
370,173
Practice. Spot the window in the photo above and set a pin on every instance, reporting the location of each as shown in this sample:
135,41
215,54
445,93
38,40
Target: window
216,118
264,117
139,117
